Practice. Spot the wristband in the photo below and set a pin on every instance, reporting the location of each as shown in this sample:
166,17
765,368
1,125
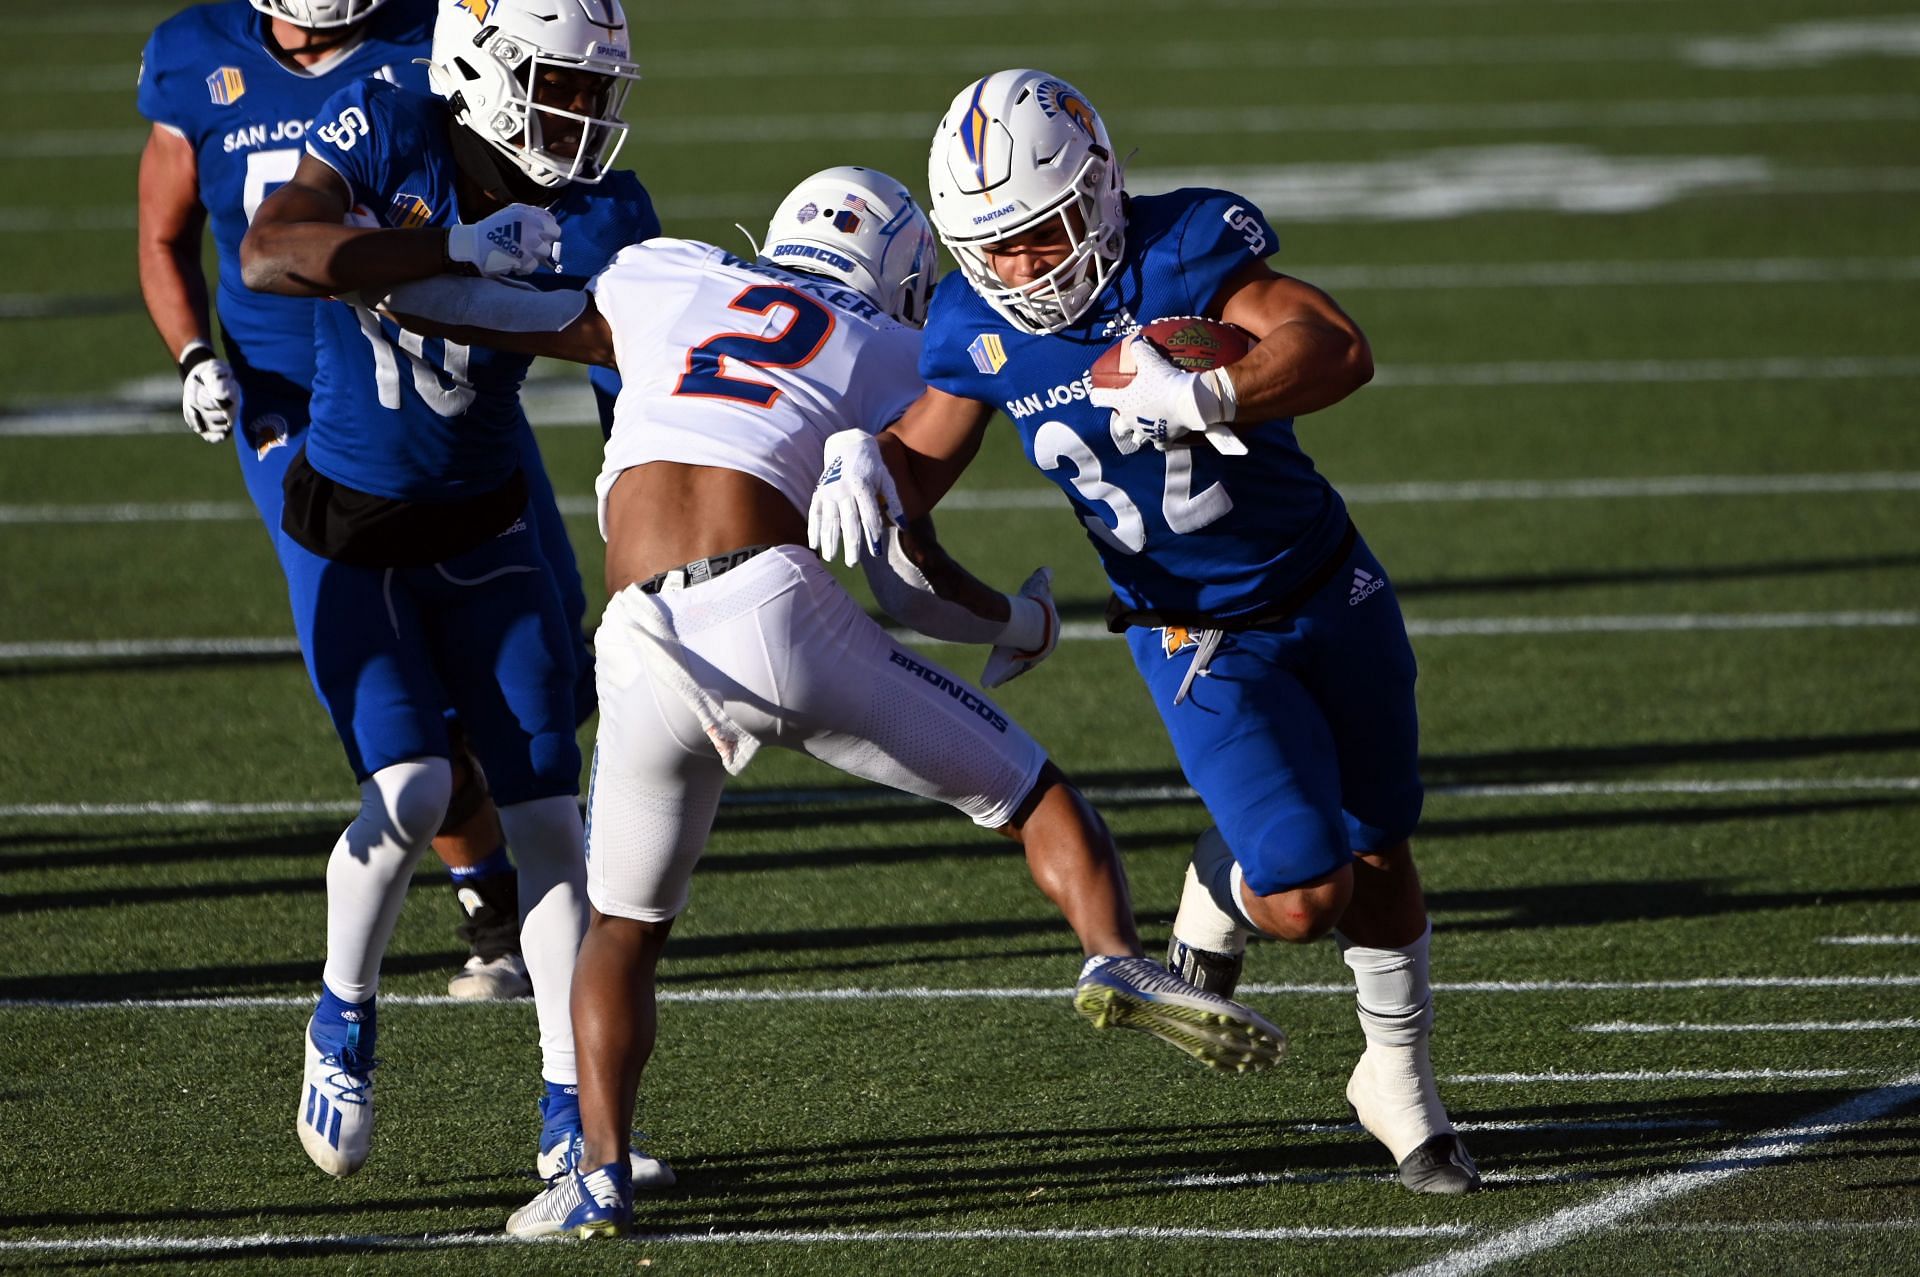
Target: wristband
1026,627
192,355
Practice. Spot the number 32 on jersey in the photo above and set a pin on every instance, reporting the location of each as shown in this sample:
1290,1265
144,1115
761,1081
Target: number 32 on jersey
1055,444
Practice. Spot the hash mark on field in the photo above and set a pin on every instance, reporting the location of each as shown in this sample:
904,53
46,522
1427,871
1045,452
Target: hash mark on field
1655,1075
738,996
1784,1026
1575,1221
1871,940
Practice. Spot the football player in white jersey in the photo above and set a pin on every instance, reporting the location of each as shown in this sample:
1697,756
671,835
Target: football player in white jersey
725,632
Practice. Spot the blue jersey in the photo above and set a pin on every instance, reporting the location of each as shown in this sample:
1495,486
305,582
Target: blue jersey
1185,532
207,72
423,419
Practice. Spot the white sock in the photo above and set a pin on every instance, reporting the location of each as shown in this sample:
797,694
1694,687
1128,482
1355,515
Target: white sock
400,811
550,848
1396,1002
1211,916
1392,1087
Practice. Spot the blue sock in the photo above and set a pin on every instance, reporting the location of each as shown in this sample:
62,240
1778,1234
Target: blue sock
342,1025
498,863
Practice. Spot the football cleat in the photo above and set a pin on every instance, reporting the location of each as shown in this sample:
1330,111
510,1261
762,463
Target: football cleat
1393,1095
1442,1166
596,1204
1138,993
335,1116
492,980
561,1144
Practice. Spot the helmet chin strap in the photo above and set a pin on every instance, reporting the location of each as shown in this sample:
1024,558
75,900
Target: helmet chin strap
494,173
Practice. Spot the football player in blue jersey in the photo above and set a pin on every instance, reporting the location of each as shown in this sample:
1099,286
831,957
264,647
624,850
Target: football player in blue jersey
414,561
1265,629
232,89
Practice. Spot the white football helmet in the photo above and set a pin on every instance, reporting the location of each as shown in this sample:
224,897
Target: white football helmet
859,226
318,15
1016,149
488,60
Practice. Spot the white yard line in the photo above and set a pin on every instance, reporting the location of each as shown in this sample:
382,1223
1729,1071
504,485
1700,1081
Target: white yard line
1038,498
1084,631
1780,1026
743,1237
1556,1076
856,798
1596,372
1174,121
739,997
1871,940
1605,274
1610,1208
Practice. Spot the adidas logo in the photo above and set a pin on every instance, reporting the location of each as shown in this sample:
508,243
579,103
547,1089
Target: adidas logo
833,473
1364,585
507,237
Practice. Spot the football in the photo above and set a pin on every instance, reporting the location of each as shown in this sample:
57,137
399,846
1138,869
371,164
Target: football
1193,342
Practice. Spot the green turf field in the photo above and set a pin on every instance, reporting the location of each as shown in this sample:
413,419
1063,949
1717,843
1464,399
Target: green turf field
1643,283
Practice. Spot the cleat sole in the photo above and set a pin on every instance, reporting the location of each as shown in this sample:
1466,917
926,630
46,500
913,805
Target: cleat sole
1218,1040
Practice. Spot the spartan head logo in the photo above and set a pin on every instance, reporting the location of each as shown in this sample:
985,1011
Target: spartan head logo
1059,98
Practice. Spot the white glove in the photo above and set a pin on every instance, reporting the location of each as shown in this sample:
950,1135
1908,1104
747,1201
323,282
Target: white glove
515,241
1163,406
1032,632
209,396
855,499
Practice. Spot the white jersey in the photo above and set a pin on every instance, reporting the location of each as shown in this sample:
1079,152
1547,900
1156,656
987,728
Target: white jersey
744,366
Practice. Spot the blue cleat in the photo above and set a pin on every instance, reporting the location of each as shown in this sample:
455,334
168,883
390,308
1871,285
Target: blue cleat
596,1204
560,1143
1138,993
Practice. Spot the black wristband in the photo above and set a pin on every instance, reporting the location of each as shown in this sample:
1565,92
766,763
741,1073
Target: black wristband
198,352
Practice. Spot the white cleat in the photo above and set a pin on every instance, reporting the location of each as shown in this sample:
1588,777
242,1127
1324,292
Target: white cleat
1139,993
335,1116
1393,1094
648,1171
497,980
586,1206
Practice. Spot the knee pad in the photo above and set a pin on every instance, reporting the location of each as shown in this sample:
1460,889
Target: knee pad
409,800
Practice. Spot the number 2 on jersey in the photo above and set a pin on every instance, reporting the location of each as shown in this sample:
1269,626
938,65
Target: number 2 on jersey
808,326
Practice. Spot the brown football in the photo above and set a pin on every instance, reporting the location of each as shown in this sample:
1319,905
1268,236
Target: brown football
1193,342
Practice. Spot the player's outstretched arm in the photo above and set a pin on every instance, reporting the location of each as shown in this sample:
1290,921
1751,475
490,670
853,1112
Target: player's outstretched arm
298,246
561,323
1310,356
919,584
931,445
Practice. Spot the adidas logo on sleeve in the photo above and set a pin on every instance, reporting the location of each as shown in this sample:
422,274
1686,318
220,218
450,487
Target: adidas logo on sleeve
1364,585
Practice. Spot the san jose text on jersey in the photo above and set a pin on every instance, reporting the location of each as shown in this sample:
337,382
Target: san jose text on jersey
409,418
208,74
1180,532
